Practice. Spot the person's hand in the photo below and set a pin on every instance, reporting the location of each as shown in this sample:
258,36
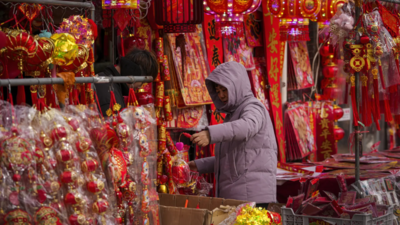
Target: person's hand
201,139
192,166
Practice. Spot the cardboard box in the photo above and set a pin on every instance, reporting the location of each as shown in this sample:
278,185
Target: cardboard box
173,211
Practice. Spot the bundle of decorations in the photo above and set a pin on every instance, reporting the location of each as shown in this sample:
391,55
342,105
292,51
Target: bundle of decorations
247,214
374,59
71,167
69,49
349,203
312,126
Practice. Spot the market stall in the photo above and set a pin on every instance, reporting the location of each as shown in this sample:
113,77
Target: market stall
327,73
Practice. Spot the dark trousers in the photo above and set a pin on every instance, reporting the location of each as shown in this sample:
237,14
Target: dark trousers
262,205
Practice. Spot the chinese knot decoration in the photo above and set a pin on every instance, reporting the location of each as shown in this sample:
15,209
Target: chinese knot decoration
295,16
179,16
229,14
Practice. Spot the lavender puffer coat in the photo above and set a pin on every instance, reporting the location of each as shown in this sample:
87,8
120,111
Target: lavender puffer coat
246,151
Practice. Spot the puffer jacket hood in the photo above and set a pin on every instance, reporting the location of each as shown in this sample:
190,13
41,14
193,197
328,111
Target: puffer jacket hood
233,76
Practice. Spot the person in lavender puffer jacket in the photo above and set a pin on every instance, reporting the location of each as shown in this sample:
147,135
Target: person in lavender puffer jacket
245,159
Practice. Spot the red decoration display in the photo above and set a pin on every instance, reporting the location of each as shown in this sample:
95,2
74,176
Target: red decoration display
179,16
229,13
295,16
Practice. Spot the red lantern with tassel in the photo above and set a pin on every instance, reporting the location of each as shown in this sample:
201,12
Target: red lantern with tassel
41,59
179,16
229,14
337,112
80,61
21,46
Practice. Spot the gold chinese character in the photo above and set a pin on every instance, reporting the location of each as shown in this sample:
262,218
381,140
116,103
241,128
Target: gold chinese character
325,133
278,124
272,42
273,71
327,154
275,95
326,145
324,123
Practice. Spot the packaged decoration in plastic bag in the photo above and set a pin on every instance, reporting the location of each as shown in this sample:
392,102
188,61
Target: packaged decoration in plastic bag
196,186
145,136
180,169
100,196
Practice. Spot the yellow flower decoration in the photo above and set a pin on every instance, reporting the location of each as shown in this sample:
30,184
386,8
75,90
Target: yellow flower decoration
253,216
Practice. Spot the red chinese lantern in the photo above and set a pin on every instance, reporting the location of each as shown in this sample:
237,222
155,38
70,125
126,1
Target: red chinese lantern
179,16
328,10
41,59
229,13
337,112
295,16
21,46
338,133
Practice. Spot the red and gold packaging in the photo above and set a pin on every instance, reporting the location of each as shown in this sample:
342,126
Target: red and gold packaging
168,172
167,109
165,68
159,94
159,167
160,49
162,137
158,78
170,145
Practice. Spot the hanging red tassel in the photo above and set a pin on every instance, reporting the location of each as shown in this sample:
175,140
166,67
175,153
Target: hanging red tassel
374,109
366,111
388,114
34,89
83,95
71,97
132,100
376,93
381,74
21,98
354,100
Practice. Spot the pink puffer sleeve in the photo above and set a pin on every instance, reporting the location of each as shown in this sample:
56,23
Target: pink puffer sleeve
205,165
248,125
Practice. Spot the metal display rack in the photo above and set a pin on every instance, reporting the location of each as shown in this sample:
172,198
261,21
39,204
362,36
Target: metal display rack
78,80
88,5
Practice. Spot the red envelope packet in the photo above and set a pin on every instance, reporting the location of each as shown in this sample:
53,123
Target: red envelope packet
329,211
347,198
311,210
330,195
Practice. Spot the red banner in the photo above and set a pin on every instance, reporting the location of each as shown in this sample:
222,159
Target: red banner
274,50
326,143
215,56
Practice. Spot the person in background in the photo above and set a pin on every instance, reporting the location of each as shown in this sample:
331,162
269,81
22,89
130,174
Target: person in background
245,158
136,62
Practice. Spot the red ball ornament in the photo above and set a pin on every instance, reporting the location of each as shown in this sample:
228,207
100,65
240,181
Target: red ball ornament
77,219
59,133
325,50
16,177
68,177
338,133
73,198
65,155
100,206
89,166
330,71
163,179
74,123
83,144
95,187
337,112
